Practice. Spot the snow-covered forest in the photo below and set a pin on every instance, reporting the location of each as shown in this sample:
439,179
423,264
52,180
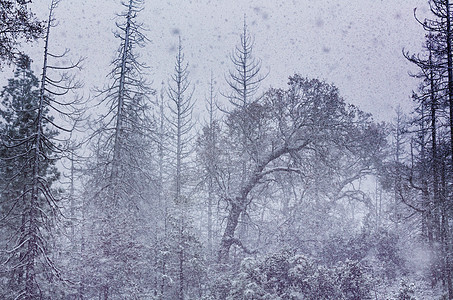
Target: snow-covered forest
140,189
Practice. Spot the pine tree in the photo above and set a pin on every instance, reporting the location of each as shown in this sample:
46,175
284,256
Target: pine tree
20,100
33,150
120,175
436,92
17,23
244,81
207,156
183,243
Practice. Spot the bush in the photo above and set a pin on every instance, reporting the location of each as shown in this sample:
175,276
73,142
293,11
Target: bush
286,275
405,292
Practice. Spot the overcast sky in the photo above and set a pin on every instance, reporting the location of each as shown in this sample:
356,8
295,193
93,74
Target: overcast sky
355,44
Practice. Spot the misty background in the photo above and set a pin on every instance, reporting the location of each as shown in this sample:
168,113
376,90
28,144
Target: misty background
356,45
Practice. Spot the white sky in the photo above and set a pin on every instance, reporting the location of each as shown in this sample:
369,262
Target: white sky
355,44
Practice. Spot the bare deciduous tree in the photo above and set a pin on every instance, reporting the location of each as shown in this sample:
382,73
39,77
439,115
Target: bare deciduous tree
307,117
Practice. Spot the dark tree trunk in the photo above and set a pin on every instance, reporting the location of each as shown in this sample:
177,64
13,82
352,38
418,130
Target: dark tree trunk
228,234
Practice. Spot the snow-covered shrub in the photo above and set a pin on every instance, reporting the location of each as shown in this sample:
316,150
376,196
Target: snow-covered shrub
405,292
286,275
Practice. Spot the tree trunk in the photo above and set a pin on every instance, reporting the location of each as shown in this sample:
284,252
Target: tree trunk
228,235
450,101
